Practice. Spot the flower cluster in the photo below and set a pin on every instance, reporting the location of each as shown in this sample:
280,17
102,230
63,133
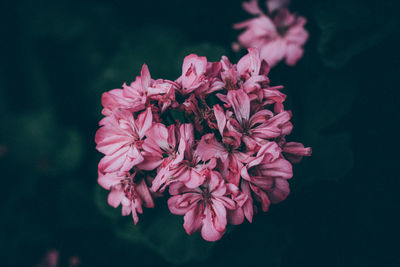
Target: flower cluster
278,35
213,141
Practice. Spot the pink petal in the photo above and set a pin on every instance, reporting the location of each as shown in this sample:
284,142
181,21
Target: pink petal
274,5
209,147
293,54
273,51
114,162
263,197
157,137
279,168
193,220
145,196
252,7
144,122
108,142
236,216
115,197
145,77
220,215
250,63
248,205
181,204
295,151
220,117
208,231
192,178
280,191
240,103
108,180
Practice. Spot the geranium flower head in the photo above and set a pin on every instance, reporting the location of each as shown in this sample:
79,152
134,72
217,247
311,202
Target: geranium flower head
215,139
278,35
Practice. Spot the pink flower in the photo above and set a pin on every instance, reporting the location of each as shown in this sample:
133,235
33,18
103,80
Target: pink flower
205,207
279,36
266,175
193,73
136,96
231,159
121,138
128,190
166,97
160,146
249,74
187,165
257,128
51,259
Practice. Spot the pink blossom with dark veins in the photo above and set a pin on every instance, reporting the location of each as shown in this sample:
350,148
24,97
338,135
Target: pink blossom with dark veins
266,176
120,138
128,190
205,207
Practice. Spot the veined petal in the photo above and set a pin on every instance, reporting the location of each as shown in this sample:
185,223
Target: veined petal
240,103
208,231
193,220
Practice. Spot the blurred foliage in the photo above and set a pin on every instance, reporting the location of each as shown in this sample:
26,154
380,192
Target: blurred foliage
37,142
349,28
58,57
159,230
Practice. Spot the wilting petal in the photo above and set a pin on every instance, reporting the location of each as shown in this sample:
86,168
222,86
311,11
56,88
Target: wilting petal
295,151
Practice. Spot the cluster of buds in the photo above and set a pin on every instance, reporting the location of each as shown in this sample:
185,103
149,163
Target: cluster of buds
278,34
213,141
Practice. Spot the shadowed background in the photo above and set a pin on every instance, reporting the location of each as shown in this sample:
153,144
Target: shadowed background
58,57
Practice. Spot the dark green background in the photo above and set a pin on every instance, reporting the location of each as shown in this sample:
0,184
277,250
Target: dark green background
57,57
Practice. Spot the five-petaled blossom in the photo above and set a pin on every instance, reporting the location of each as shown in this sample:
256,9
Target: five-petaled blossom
213,140
279,35
206,207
